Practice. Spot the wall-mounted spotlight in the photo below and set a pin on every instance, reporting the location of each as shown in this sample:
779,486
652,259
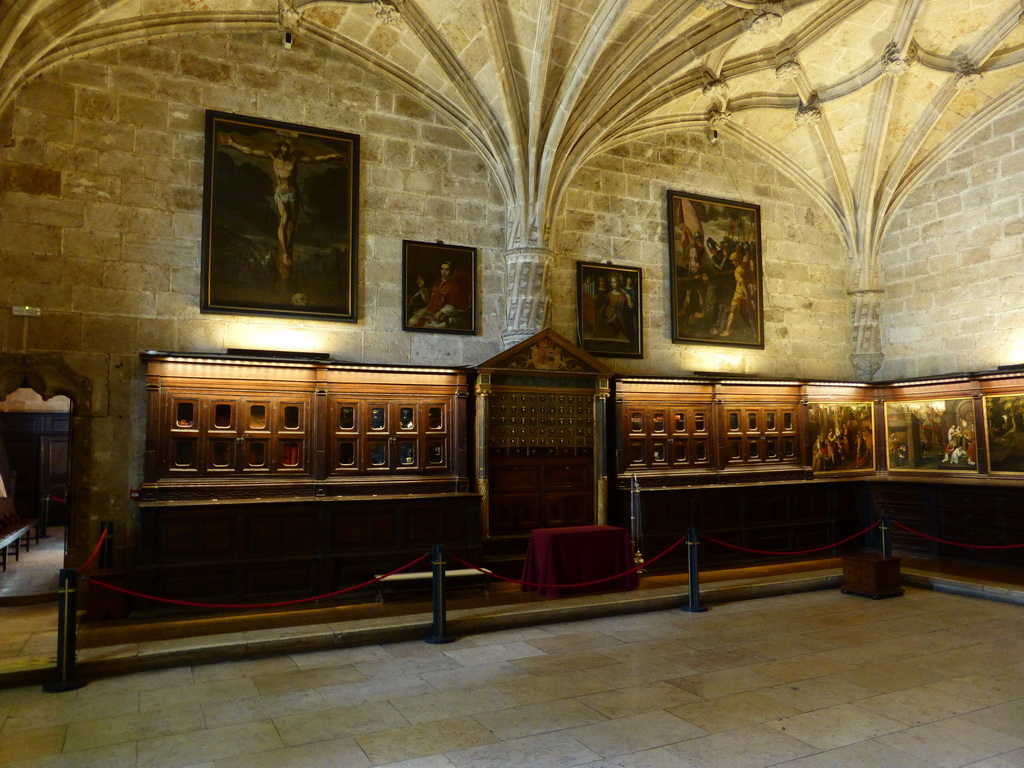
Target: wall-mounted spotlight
286,41
712,135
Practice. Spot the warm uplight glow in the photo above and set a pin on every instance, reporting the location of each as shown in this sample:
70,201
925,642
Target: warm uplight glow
284,338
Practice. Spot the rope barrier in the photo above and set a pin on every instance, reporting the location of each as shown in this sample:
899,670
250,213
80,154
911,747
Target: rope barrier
57,498
957,544
794,552
538,585
280,604
87,563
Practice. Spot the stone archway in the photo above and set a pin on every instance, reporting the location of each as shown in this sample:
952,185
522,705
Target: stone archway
49,375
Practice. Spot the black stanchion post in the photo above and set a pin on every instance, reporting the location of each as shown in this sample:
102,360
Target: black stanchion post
67,608
106,557
694,605
438,632
886,524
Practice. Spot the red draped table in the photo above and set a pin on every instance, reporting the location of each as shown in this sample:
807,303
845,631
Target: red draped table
578,555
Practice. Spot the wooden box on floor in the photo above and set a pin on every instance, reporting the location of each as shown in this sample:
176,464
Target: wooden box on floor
872,575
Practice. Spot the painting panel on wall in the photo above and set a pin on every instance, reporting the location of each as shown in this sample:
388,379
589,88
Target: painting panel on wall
841,436
1004,421
280,215
715,269
931,435
438,287
609,310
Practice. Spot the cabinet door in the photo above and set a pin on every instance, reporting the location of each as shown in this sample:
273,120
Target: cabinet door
184,426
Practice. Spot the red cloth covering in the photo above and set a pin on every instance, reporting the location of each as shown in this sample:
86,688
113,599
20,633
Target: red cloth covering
577,555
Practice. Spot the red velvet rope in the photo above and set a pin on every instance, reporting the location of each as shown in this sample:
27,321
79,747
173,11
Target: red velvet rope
283,603
957,544
95,552
56,498
567,586
795,552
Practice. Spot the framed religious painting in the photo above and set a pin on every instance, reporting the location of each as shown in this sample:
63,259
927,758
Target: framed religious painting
715,269
609,309
280,216
931,435
841,436
438,287
1004,430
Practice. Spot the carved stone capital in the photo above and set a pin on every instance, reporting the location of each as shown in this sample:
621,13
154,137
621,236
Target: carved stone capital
867,365
788,70
763,22
894,61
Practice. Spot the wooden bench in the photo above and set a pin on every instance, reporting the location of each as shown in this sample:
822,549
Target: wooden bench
410,581
12,534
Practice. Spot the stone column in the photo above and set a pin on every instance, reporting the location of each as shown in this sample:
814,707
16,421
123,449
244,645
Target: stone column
526,292
867,354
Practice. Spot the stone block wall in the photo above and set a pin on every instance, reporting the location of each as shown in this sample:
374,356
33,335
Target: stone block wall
616,211
101,189
953,261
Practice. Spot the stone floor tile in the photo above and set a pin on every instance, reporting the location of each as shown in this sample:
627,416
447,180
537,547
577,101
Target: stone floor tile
637,733
751,747
225,690
480,674
283,682
308,727
447,736
953,742
331,753
39,742
735,711
917,706
532,719
116,730
447,705
490,654
623,702
117,756
725,682
550,750
532,689
835,726
232,712
203,746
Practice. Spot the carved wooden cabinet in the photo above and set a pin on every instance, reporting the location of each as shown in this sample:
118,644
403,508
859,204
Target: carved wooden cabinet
275,478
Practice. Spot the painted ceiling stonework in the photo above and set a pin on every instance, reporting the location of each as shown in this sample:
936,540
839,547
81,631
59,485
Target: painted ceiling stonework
856,100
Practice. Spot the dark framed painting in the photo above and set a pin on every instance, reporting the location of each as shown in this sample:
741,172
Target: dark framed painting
841,436
931,435
716,286
280,219
1004,433
438,287
609,309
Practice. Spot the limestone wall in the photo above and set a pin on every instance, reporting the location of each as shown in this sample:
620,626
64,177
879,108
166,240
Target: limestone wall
616,211
953,262
101,187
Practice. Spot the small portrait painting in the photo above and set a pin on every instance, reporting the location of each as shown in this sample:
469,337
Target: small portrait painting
438,287
609,309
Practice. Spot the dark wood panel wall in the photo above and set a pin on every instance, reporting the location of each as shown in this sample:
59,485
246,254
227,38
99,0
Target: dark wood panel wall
269,481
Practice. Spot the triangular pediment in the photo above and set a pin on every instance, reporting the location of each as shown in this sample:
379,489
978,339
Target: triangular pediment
547,353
